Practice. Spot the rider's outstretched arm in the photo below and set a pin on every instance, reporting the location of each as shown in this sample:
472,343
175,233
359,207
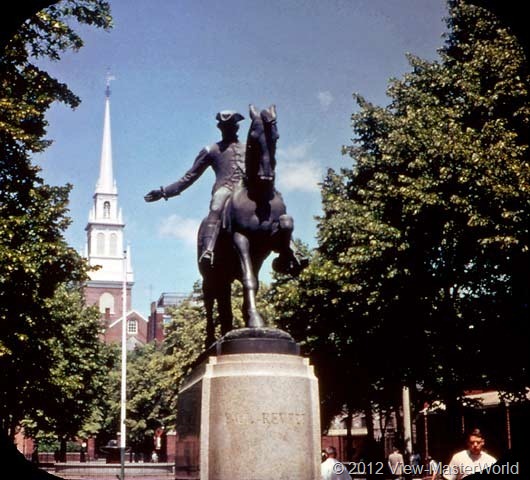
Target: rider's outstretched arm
201,163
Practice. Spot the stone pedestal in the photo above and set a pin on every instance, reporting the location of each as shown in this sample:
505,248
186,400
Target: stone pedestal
250,416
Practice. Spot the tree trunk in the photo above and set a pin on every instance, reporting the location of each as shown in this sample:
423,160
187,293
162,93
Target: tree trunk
455,434
349,438
383,420
369,423
371,456
62,450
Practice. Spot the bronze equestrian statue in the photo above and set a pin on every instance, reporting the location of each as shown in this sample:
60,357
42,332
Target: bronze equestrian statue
247,219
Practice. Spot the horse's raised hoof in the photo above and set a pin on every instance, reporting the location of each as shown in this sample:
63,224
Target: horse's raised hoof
289,266
280,266
303,262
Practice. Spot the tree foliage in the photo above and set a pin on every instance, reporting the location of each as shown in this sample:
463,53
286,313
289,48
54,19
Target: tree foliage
154,373
19,12
420,277
34,257
72,403
146,401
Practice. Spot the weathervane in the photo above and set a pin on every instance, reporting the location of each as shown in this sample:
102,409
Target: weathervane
109,79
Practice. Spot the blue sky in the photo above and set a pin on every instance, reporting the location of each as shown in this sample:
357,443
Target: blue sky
178,62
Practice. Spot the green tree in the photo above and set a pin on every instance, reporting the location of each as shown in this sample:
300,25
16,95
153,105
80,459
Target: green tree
34,257
419,278
512,16
148,406
18,14
72,404
154,373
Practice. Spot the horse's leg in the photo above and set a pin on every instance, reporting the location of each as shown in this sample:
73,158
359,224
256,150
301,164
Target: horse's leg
208,299
224,307
250,284
287,261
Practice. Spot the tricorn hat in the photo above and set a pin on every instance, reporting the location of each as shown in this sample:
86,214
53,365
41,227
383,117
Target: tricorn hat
227,116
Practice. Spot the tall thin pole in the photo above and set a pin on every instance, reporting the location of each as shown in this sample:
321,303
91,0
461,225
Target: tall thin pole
508,426
123,402
426,430
407,429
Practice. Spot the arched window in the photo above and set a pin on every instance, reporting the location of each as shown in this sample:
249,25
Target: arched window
100,244
106,300
132,326
106,210
113,244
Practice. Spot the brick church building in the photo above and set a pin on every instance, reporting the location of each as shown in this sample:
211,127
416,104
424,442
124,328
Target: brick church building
105,248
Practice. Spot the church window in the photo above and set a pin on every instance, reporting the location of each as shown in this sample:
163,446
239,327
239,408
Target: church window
106,301
100,243
113,244
106,210
132,326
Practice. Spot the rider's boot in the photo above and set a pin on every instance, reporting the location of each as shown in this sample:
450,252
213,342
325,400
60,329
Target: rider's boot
210,234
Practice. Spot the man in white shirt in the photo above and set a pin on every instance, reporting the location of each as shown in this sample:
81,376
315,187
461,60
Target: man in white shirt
469,461
396,463
332,469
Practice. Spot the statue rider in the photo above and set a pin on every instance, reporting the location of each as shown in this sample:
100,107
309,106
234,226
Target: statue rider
227,158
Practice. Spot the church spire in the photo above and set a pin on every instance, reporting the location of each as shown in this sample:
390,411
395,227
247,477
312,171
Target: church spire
105,241
105,228
106,182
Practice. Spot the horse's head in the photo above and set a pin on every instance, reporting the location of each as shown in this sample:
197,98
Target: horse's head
260,156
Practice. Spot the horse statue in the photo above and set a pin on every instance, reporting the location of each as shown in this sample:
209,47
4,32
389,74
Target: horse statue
255,223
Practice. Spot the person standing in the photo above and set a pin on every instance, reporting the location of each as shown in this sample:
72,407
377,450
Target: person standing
396,463
434,468
471,460
332,469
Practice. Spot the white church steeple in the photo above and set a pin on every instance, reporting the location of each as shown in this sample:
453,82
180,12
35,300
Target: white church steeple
105,249
106,182
105,239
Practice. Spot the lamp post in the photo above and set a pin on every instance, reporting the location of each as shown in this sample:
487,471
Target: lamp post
123,401
426,429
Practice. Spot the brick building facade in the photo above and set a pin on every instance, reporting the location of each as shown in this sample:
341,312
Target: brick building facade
159,316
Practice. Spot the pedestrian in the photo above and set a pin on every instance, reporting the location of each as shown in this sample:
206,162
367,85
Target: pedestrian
331,468
396,463
471,460
323,456
434,468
